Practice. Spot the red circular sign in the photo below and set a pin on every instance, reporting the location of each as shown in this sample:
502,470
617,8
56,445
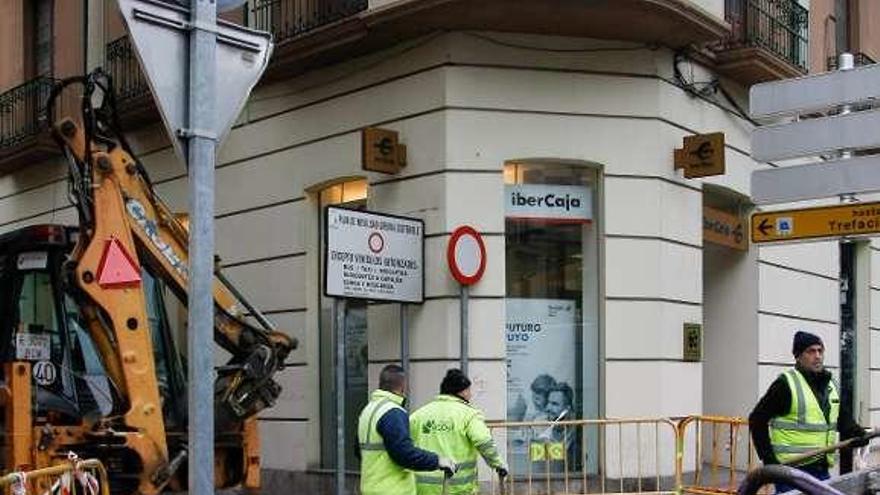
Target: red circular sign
466,255
376,242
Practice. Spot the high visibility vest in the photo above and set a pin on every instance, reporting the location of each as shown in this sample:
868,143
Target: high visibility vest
454,429
379,474
805,428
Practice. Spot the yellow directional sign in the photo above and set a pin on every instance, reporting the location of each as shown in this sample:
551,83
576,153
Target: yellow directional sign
817,223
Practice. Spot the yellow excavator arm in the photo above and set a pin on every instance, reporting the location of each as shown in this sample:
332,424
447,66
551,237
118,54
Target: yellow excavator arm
124,225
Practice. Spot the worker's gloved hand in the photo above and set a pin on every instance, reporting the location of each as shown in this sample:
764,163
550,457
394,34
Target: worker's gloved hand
447,466
502,472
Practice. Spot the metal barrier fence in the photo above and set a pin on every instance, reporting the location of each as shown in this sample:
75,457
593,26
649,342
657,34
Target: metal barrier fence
87,477
614,456
715,453
700,455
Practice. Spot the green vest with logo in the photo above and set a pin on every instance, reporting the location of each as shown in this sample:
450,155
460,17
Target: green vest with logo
379,474
805,428
454,429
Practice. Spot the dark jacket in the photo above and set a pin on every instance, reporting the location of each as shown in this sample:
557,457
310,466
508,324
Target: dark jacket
394,428
777,402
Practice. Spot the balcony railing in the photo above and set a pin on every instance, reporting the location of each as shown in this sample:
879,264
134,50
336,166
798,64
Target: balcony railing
122,64
779,26
288,18
23,111
859,58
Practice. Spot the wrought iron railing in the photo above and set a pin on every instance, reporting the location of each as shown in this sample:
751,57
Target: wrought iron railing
288,18
123,67
780,26
859,58
23,111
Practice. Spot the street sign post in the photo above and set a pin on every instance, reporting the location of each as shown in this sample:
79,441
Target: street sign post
181,49
839,128
848,220
818,180
160,32
369,256
466,257
813,137
814,93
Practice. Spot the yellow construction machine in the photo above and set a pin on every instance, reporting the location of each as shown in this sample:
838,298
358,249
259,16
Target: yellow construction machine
92,326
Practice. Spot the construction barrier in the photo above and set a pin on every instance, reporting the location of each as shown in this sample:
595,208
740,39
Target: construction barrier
615,456
714,454
73,477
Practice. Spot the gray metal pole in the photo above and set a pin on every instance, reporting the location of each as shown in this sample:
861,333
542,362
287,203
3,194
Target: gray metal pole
200,161
464,329
846,61
339,319
404,344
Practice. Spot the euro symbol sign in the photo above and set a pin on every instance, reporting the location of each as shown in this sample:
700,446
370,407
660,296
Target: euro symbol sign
703,151
384,146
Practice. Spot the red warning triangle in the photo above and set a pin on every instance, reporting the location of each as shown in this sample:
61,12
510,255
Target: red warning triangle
117,268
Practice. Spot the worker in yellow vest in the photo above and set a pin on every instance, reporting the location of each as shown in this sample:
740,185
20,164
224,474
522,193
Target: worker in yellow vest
801,412
388,456
452,427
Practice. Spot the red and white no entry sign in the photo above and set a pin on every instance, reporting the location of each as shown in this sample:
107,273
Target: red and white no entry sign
466,255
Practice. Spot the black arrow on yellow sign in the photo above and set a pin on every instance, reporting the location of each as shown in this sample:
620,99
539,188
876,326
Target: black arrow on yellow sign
764,226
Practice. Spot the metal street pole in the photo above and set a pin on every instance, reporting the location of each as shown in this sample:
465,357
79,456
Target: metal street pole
339,308
201,146
845,61
464,329
404,344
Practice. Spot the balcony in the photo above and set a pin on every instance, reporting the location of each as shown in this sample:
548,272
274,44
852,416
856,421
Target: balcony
768,40
315,33
286,19
134,101
24,124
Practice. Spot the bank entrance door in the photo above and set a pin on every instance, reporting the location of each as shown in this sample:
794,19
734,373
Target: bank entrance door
551,310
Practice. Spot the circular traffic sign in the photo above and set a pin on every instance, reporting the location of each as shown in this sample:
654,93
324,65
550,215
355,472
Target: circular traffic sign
466,255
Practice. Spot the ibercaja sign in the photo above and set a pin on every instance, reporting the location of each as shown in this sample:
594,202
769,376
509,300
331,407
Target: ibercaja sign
558,203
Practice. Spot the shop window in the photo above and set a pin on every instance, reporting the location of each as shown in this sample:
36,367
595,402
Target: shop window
349,194
551,302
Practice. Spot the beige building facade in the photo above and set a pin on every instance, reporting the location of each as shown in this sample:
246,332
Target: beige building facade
493,101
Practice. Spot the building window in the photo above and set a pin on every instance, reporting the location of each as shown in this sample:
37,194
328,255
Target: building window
551,300
348,194
41,38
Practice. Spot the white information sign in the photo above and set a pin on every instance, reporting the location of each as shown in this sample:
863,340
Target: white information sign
548,202
32,347
373,256
32,260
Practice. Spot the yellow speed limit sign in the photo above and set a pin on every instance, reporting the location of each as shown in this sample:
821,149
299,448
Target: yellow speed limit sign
855,219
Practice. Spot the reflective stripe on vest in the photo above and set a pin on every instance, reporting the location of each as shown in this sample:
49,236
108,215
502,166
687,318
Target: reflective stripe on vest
805,427
380,475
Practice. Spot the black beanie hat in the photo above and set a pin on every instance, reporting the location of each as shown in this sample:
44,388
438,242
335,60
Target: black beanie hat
802,340
454,382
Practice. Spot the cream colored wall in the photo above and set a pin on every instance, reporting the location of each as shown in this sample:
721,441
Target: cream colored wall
464,105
